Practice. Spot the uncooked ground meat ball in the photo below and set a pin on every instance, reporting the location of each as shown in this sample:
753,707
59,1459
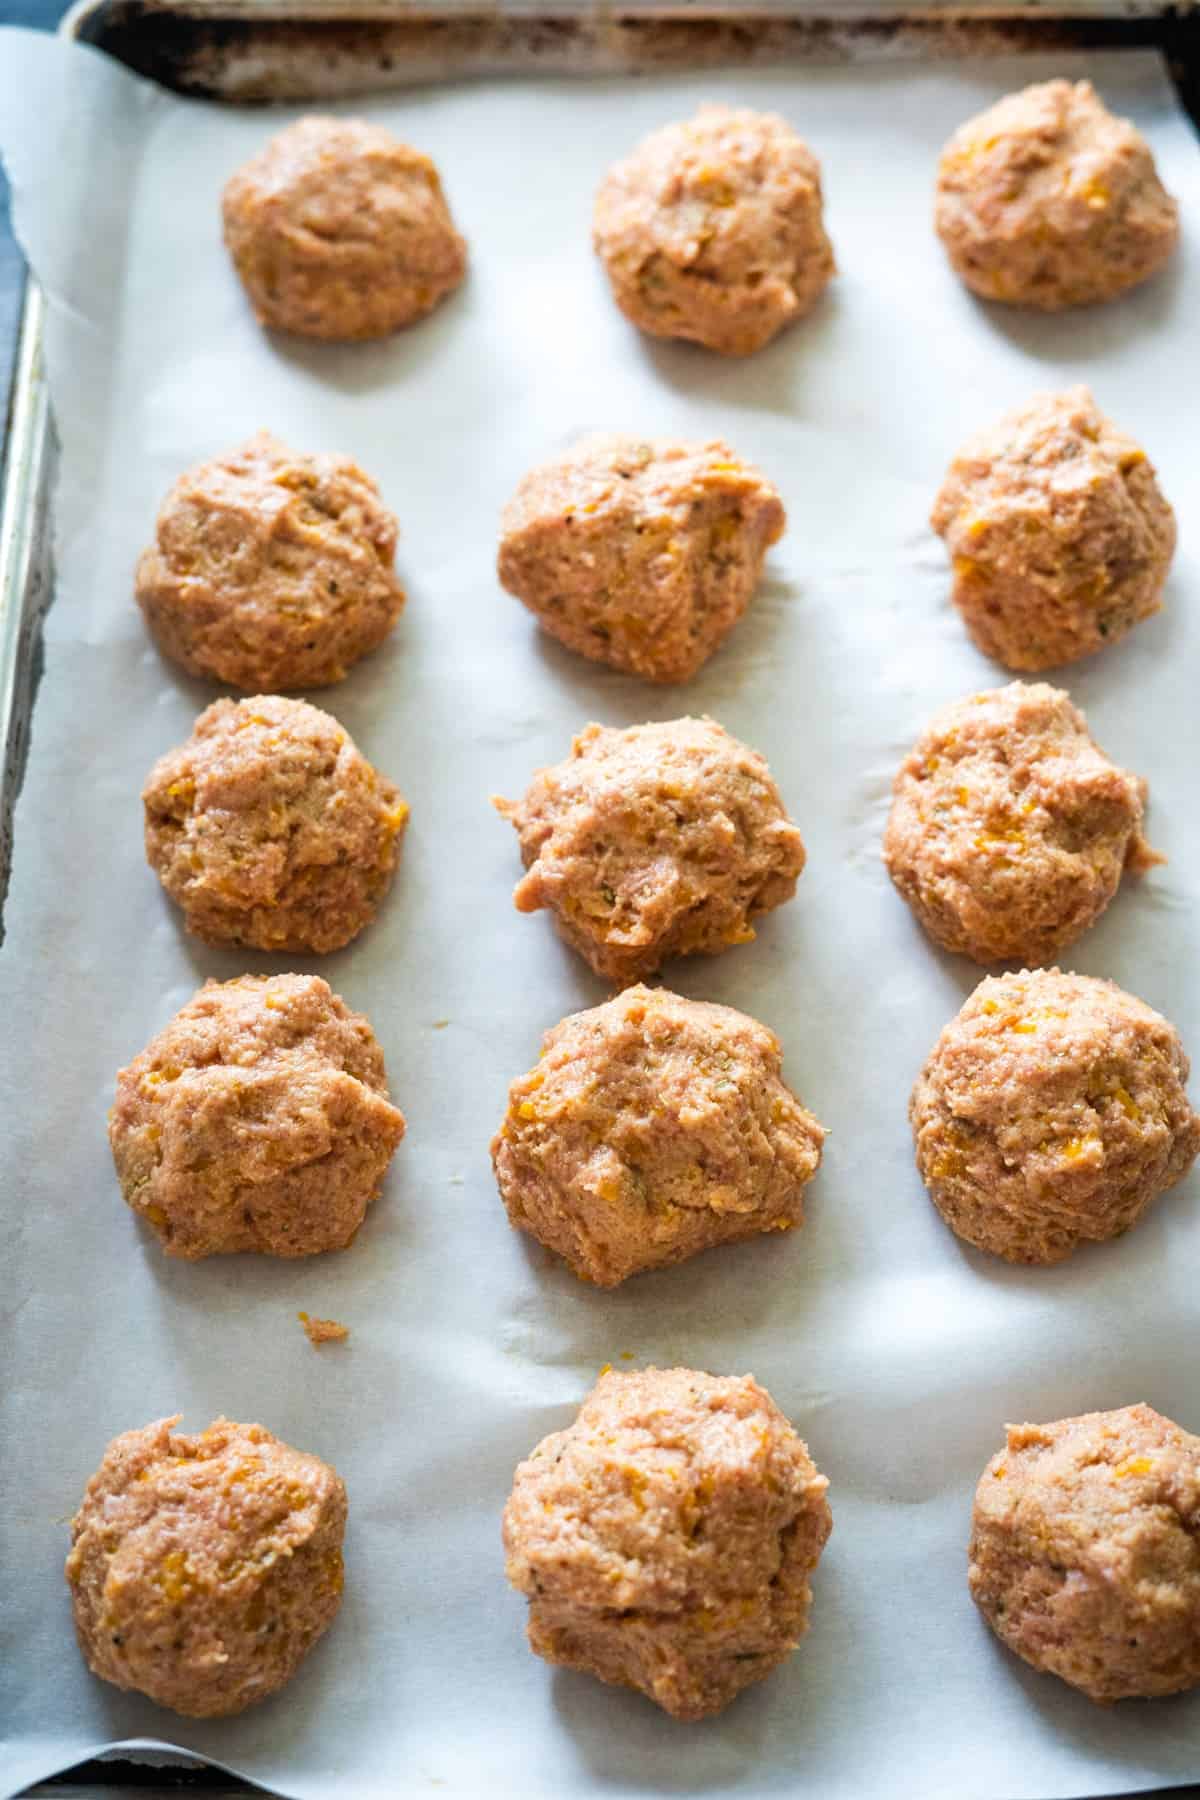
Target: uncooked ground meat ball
1010,829
271,569
712,230
1051,1112
258,1119
1085,1551
338,230
642,553
1059,532
204,1569
665,1540
651,1128
269,828
656,841
1047,200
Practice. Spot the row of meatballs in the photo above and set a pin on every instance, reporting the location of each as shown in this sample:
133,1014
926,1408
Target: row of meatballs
711,230
272,570
1051,1112
1008,835
665,1541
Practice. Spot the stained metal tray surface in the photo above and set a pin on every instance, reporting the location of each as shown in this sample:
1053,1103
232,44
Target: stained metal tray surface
262,50
273,50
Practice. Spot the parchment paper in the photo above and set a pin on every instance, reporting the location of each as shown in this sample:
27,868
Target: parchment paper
898,1354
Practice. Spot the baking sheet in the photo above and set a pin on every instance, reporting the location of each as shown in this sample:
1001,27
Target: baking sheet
898,1353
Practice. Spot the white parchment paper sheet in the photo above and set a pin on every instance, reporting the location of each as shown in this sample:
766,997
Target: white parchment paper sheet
898,1354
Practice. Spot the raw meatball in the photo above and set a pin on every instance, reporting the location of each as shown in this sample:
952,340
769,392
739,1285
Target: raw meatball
271,569
1050,1113
1047,200
1059,531
270,829
712,230
1010,829
338,230
1085,1551
653,1127
257,1120
640,553
657,841
204,1569
665,1540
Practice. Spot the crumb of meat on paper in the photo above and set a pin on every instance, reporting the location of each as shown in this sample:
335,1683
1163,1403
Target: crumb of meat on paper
323,1331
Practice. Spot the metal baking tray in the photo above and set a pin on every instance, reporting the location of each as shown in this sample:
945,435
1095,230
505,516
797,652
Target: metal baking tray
248,51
